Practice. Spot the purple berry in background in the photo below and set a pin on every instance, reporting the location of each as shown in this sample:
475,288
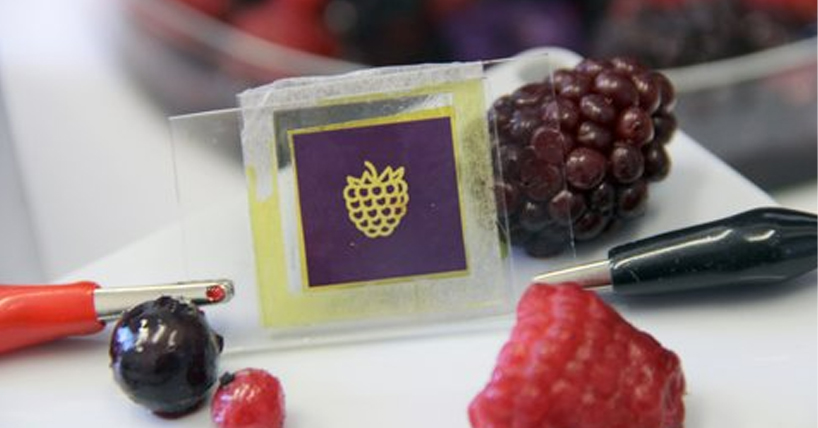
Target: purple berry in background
585,163
670,34
501,28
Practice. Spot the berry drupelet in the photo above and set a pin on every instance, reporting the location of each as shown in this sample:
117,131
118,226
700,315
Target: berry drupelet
578,149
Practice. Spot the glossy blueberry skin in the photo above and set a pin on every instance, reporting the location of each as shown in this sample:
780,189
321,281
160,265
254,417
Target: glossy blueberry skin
165,356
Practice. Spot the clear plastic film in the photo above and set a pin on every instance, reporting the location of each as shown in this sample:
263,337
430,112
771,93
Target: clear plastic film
356,205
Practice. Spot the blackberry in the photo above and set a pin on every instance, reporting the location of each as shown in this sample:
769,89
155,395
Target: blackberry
578,149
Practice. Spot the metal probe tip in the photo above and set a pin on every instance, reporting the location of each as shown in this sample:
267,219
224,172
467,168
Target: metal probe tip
110,303
594,275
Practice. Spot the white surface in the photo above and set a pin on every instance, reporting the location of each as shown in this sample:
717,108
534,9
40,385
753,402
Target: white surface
802,196
92,149
19,260
749,355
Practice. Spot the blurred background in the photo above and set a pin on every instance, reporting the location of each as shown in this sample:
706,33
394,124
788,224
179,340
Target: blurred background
86,88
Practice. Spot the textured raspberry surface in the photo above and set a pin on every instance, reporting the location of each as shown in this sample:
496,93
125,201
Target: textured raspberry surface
573,362
249,398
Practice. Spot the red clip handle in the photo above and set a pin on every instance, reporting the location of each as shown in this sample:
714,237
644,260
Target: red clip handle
32,314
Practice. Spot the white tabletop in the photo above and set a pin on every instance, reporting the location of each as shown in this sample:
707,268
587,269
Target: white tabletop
748,355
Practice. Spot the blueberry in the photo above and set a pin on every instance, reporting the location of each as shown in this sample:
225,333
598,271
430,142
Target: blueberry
165,356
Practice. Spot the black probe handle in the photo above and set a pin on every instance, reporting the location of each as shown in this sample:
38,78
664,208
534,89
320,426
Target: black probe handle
764,245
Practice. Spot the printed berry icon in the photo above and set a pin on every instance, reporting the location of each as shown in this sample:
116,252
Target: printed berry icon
376,202
573,362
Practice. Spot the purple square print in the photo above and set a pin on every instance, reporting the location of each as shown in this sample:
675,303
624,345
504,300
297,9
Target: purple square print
419,233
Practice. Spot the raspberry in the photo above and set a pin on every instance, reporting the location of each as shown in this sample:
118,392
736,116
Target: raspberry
573,362
248,398
581,146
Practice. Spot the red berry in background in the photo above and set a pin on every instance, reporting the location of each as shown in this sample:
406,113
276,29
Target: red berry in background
311,6
573,362
215,8
440,9
804,9
286,24
248,398
581,147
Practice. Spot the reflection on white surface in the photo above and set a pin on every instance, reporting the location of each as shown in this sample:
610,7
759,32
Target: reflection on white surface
802,196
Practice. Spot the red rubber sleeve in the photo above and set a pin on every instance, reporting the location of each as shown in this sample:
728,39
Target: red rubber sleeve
32,314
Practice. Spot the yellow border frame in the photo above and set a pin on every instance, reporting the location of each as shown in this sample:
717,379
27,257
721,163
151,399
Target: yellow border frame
434,113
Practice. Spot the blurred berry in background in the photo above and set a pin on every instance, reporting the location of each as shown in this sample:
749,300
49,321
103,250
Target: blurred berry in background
662,33
759,56
673,33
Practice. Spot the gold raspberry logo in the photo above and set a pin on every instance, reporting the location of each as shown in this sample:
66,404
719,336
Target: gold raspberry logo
376,202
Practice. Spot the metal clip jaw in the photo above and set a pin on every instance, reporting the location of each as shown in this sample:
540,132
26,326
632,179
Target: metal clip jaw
110,303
